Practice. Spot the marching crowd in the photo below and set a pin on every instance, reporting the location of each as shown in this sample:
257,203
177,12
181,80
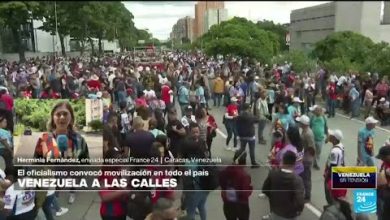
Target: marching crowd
161,108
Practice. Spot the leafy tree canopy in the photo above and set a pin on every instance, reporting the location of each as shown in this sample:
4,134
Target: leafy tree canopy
241,37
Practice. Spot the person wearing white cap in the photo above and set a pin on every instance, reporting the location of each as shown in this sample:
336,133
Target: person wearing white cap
366,143
308,143
319,125
336,158
382,111
294,108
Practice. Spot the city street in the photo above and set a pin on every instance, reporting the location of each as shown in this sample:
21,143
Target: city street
87,205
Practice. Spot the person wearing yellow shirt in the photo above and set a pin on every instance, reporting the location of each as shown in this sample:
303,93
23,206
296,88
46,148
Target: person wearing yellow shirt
218,90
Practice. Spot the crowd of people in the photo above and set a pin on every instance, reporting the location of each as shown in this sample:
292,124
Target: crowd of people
163,109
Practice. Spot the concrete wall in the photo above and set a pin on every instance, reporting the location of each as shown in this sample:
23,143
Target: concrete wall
348,15
362,17
385,33
309,25
370,22
386,12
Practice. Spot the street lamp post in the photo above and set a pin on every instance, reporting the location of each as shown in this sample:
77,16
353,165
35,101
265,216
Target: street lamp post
56,34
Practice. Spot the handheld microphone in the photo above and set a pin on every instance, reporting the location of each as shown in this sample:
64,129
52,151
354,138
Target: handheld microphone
62,141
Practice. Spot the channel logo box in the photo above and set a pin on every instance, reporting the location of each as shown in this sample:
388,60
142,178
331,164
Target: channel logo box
353,177
364,201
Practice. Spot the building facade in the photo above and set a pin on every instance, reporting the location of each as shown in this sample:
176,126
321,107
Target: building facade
39,41
214,16
200,10
312,24
183,29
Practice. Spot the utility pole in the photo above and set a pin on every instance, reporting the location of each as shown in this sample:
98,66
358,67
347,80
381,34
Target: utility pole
55,16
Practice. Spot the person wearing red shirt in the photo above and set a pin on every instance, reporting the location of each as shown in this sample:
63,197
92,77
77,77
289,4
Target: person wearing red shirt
6,99
166,93
141,101
332,98
113,202
230,122
94,83
48,93
211,130
235,191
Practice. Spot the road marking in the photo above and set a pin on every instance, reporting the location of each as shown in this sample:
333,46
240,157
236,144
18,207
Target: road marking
362,122
309,206
221,133
313,209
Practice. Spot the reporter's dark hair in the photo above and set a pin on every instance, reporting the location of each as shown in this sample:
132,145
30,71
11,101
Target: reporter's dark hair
289,158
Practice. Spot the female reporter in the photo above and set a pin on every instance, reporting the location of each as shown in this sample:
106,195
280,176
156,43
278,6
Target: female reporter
61,140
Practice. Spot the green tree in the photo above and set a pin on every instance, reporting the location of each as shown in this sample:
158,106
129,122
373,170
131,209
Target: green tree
343,50
14,15
64,19
124,29
241,37
301,61
378,60
279,29
143,35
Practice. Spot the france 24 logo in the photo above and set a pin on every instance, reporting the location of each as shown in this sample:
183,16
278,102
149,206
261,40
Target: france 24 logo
365,201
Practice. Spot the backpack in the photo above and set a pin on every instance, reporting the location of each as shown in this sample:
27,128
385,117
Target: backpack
332,212
209,182
139,204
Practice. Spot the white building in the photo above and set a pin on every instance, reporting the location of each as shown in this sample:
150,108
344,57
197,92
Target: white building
45,42
214,16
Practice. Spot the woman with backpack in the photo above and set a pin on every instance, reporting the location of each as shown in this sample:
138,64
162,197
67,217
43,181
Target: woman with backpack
340,209
236,188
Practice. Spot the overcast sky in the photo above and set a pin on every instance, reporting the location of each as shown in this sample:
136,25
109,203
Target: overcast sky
159,17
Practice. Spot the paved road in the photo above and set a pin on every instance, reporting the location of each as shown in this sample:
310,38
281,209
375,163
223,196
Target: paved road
87,205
